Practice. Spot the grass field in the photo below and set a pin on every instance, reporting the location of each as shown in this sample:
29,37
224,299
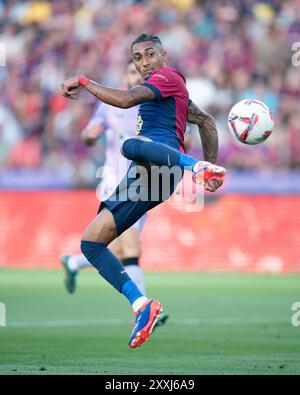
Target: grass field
219,324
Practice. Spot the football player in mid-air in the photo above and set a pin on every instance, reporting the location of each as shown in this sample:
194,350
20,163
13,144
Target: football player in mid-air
117,124
164,111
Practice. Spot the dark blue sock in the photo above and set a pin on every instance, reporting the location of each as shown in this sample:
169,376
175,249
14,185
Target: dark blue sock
110,268
130,261
157,153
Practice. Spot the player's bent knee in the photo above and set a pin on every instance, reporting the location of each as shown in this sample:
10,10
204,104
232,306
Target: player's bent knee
116,249
131,147
130,242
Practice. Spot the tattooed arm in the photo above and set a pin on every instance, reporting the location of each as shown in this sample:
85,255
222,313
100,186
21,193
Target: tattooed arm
114,97
208,131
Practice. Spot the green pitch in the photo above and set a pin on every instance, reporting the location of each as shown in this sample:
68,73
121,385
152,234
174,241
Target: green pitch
219,324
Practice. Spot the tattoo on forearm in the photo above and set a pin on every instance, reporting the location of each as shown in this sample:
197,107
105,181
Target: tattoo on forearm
208,131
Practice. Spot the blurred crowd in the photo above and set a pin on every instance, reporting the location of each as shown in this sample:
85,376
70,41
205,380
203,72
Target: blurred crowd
228,50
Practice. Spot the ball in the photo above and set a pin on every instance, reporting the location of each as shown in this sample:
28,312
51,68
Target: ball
250,121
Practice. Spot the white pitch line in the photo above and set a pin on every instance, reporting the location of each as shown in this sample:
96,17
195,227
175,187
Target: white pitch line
120,322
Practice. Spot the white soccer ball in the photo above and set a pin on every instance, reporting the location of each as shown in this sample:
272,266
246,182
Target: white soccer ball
250,121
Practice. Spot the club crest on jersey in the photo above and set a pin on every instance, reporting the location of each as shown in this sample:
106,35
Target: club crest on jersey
139,125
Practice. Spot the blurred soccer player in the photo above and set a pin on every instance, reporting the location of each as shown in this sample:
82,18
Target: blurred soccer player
163,114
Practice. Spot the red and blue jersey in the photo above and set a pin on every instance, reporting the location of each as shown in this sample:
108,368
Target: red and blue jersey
164,119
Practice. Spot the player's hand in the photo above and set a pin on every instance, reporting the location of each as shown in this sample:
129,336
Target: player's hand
213,184
70,87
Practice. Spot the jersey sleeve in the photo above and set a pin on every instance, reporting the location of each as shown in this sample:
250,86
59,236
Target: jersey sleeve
163,84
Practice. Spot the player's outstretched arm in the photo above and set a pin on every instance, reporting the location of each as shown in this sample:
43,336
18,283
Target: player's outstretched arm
208,132
114,97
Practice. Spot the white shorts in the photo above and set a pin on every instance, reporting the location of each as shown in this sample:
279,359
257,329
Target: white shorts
139,225
106,189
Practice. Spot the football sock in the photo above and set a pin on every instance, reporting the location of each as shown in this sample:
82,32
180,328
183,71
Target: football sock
134,271
133,294
77,262
157,153
110,268
131,265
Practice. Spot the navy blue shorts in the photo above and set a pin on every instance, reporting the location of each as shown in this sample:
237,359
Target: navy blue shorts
143,188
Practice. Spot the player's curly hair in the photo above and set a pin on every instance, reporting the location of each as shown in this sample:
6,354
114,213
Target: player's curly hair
146,37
